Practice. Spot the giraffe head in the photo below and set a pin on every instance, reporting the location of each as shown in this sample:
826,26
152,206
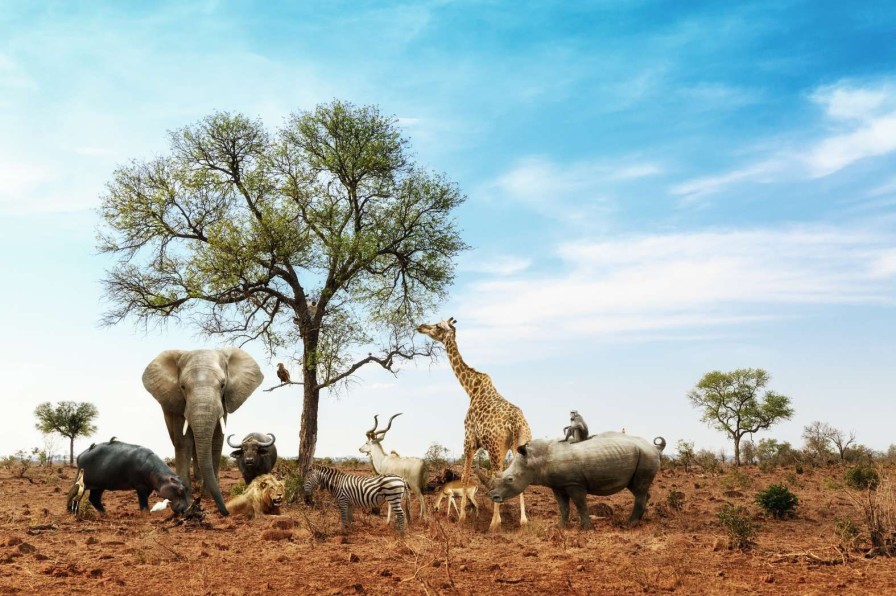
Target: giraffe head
439,331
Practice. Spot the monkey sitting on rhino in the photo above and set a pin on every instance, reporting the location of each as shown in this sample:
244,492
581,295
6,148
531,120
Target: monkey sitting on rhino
577,430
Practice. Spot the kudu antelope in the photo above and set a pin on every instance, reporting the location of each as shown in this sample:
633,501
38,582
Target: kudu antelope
412,469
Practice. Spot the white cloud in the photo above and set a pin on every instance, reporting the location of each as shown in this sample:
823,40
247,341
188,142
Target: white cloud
688,282
861,121
496,265
568,191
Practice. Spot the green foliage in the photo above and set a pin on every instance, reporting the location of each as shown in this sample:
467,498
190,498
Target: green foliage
735,479
731,403
323,233
848,533
777,500
68,419
238,488
675,500
738,525
685,450
436,457
708,461
771,454
862,477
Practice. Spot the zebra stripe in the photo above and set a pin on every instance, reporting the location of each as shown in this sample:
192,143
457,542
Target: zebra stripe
359,491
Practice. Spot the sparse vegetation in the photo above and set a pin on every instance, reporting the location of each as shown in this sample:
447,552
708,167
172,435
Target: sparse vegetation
731,403
69,419
738,525
862,477
436,457
778,501
685,450
675,500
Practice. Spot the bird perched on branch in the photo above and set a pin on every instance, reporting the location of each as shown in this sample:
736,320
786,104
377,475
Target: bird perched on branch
282,373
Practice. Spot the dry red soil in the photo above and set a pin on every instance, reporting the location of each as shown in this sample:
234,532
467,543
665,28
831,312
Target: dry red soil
45,550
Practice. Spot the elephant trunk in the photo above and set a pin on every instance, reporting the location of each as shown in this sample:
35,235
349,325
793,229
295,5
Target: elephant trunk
204,425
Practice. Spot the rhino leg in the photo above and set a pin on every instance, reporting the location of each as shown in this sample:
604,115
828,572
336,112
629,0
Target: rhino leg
639,508
563,503
578,496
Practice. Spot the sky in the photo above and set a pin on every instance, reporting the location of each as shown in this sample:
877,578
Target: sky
655,190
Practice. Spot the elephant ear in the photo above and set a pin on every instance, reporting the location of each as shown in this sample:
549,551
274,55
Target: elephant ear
243,377
162,379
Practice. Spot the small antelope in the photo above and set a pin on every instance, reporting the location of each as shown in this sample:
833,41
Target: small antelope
456,488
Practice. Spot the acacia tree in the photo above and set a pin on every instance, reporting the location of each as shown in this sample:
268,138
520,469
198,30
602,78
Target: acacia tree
822,433
323,235
68,419
731,403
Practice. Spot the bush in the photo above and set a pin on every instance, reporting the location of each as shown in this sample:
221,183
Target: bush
848,532
736,522
708,461
436,457
877,504
862,477
238,489
735,479
675,500
777,500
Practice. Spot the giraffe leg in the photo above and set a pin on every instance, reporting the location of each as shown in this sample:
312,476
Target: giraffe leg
497,462
469,452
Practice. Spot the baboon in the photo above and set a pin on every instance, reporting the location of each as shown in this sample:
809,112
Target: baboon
577,430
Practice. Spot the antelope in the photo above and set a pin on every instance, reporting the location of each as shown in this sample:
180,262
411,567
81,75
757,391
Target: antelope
456,488
412,469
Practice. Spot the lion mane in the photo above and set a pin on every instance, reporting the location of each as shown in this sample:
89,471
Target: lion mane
263,496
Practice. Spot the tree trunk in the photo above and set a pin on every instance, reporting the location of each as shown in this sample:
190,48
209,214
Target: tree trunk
308,430
737,450
71,452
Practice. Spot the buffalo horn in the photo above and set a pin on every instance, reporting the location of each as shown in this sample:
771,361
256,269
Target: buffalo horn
269,443
231,444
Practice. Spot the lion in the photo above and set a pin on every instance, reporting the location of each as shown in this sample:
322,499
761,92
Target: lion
263,496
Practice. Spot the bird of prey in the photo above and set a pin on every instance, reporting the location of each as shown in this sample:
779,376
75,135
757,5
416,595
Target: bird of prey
282,373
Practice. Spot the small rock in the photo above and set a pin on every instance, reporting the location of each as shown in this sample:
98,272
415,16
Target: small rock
437,563
271,534
353,558
92,540
463,568
15,540
386,573
770,579
717,545
720,573
580,568
26,548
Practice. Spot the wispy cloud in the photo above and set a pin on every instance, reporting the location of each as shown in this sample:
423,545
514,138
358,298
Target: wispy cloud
568,191
860,121
689,281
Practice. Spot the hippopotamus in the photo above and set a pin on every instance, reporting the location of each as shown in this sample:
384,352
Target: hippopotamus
256,455
603,464
122,466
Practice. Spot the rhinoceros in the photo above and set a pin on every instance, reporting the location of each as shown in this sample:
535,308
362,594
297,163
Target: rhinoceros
603,464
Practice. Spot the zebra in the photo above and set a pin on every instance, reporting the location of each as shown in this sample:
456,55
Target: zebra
358,491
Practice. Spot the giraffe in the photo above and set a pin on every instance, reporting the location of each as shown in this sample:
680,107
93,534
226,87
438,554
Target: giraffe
492,422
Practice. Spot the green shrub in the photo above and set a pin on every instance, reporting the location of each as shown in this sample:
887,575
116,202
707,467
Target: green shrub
675,500
777,500
238,489
862,477
848,532
736,522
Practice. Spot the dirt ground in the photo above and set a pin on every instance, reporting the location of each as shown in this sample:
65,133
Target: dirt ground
45,550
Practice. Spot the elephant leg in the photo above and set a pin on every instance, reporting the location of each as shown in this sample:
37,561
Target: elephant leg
143,498
578,496
183,447
96,499
563,503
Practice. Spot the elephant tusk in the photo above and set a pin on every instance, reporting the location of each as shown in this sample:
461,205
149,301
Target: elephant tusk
186,424
221,421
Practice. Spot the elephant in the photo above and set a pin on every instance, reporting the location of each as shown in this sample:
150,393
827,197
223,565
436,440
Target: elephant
197,389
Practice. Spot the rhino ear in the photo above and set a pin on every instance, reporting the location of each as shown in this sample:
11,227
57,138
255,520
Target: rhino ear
522,450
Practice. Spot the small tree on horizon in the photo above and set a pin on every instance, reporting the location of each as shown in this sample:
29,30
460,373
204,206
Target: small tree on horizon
68,419
820,434
731,403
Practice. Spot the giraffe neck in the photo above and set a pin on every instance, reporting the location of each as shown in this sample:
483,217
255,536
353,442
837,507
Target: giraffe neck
462,371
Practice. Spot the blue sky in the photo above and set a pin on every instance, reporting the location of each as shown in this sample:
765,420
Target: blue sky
656,190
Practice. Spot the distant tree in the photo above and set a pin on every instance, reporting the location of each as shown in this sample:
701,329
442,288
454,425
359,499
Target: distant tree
731,403
324,234
68,419
685,451
821,434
